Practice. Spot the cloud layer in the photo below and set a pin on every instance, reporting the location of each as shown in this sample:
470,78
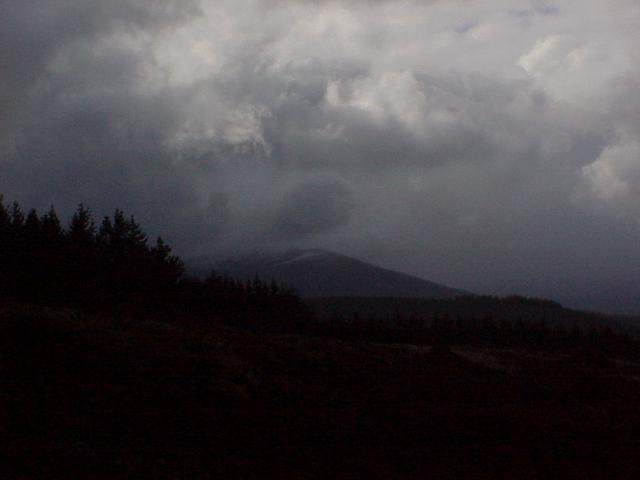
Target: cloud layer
493,146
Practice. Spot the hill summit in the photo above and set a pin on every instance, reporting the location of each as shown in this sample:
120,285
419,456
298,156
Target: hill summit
320,273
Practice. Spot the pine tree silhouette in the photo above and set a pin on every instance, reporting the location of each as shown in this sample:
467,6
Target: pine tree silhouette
114,267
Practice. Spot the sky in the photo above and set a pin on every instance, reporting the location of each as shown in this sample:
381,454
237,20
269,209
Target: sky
487,145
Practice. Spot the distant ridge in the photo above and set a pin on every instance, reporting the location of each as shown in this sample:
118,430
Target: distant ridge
319,273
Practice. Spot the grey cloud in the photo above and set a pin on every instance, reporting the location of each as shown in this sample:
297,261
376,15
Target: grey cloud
33,33
489,148
315,205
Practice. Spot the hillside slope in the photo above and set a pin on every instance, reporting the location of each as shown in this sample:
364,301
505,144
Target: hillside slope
86,396
318,273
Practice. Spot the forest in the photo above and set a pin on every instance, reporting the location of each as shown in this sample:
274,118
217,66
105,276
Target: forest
114,267
115,364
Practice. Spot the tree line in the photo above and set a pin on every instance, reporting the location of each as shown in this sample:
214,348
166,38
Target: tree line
486,331
113,266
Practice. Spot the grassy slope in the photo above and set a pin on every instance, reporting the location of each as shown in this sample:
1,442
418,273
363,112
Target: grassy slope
96,397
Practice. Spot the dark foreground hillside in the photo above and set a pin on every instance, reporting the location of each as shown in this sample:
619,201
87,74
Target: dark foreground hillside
97,397
512,309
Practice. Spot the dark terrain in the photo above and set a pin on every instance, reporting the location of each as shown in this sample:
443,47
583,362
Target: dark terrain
115,365
514,308
91,396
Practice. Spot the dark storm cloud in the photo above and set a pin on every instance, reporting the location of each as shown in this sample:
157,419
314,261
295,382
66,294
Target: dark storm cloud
75,128
315,205
491,148
33,33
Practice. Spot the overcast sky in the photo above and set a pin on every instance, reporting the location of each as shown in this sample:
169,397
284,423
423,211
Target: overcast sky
488,145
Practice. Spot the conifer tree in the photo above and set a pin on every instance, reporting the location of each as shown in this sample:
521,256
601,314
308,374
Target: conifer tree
16,217
82,229
105,233
114,266
119,228
32,226
5,220
172,267
5,254
136,238
50,225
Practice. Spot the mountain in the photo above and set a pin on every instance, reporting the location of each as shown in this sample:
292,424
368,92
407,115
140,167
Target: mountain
319,273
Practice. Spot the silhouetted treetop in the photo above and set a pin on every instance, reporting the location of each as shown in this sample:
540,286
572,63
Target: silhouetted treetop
82,229
114,265
4,215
